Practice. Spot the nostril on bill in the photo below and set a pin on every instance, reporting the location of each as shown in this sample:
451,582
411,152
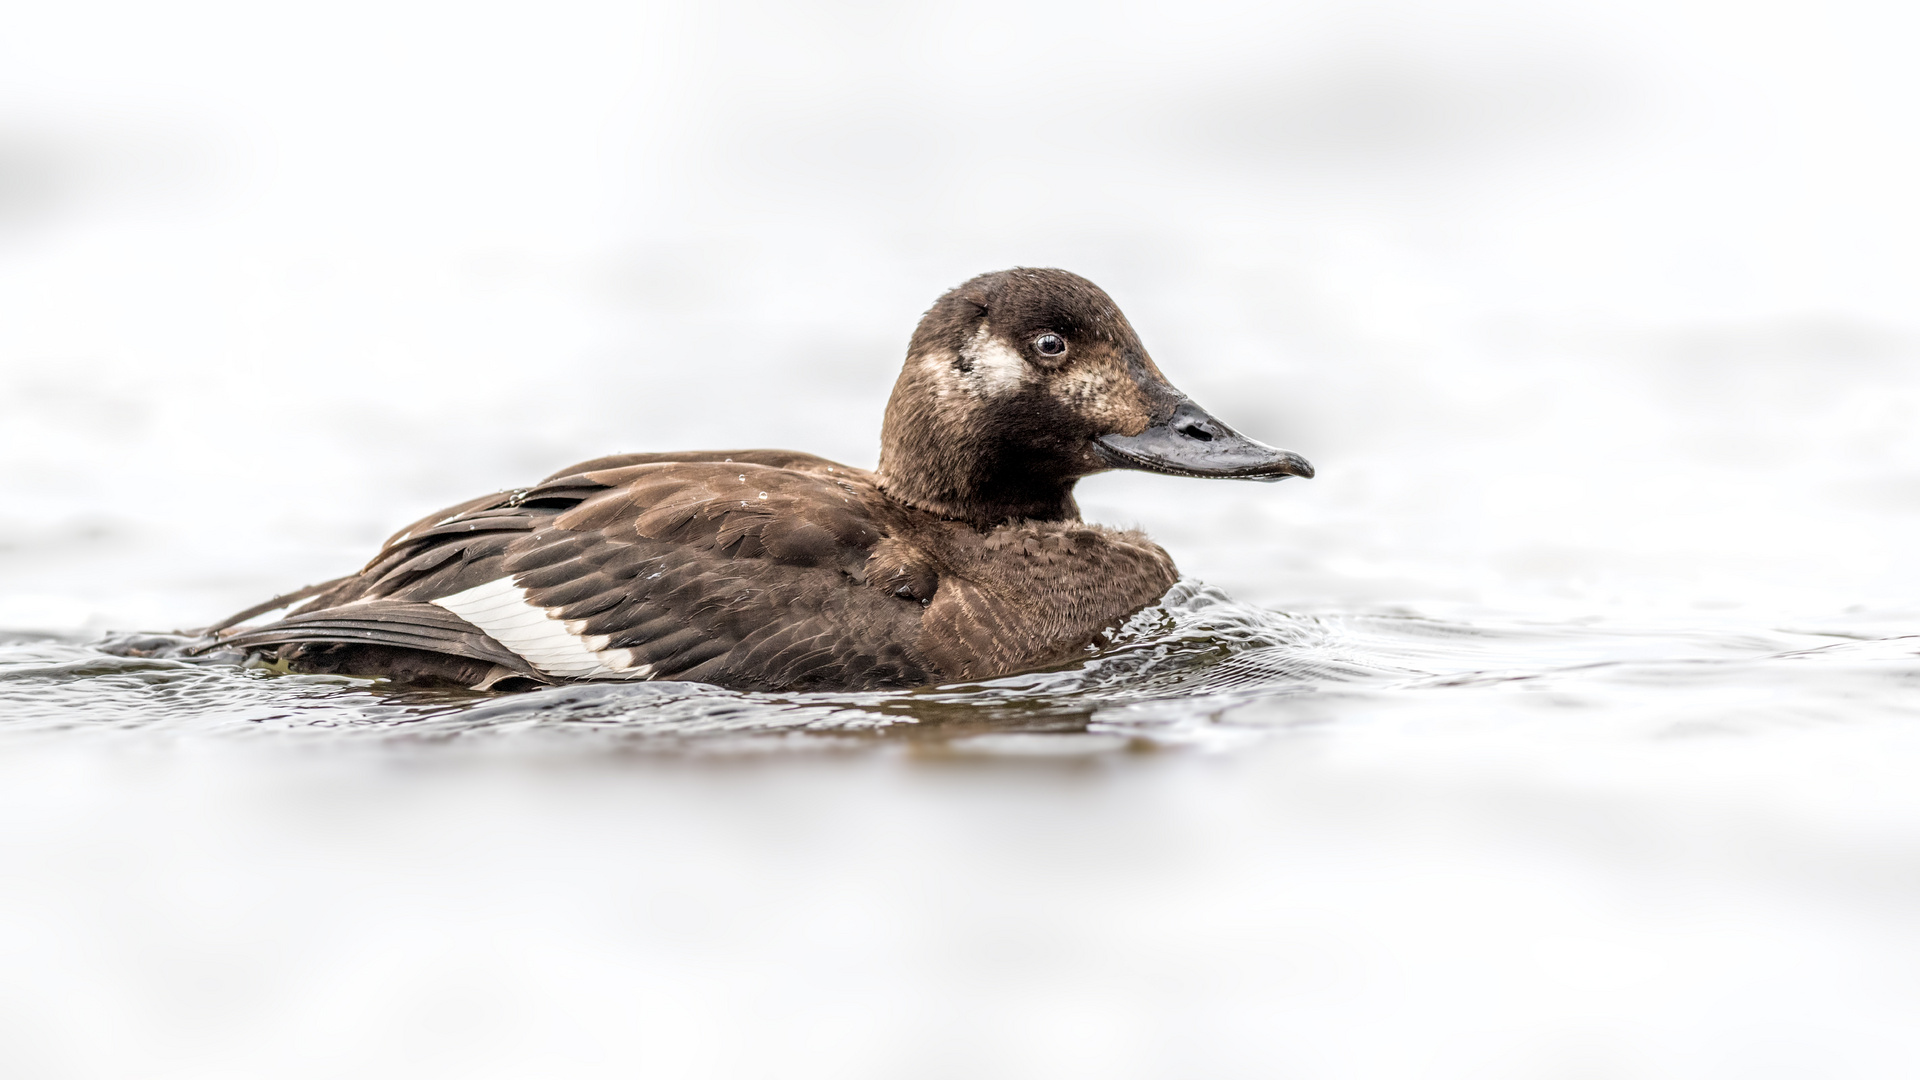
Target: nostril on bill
1195,431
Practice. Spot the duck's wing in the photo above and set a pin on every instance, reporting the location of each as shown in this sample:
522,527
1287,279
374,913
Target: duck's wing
775,459
388,624
744,574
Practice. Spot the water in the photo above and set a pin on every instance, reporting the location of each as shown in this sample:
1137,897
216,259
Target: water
1652,839
1235,836
1196,670
1564,726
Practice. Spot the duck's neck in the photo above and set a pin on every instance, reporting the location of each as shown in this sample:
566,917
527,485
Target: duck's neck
943,461
982,498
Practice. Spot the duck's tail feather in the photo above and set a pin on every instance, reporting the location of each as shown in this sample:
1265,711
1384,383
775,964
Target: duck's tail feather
396,624
275,604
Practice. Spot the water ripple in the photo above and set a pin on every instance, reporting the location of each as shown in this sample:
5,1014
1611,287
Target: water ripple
1179,673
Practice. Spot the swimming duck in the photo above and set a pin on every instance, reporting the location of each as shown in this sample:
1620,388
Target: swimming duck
961,557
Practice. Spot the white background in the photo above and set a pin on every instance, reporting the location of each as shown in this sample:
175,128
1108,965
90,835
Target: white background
1582,311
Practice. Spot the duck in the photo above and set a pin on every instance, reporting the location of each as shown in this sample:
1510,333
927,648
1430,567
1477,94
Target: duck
962,557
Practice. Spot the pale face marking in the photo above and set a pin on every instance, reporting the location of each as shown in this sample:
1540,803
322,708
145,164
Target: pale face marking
994,368
553,646
940,372
998,367
1097,392
1082,385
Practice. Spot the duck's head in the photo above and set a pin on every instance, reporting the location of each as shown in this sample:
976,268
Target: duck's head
1020,382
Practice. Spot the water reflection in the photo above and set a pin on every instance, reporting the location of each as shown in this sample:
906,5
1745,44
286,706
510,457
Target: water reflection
1197,669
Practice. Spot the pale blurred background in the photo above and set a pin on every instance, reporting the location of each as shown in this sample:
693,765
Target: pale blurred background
1597,312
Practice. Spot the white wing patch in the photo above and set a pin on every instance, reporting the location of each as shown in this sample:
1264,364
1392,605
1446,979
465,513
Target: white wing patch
554,646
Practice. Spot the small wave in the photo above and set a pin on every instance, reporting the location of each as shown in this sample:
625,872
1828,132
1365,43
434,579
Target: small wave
1176,673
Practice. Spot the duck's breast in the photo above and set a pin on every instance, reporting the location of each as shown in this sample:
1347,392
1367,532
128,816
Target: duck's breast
1029,594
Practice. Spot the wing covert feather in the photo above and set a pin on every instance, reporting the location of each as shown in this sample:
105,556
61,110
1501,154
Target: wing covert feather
743,572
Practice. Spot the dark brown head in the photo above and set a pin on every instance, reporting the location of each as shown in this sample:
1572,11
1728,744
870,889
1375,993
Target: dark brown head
1019,383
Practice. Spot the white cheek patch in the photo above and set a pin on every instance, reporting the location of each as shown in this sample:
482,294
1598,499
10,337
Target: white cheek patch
942,374
553,646
997,367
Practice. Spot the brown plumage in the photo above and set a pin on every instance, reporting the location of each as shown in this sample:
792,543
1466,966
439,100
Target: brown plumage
962,557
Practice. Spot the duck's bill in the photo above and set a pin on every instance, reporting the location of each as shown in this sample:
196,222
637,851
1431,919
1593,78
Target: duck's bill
1194,443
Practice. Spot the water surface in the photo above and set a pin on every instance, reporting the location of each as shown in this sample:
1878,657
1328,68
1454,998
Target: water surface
1196,669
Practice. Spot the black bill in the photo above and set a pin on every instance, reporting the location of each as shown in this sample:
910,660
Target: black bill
1194,443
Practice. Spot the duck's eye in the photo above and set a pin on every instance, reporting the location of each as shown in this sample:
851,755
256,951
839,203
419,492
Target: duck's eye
1050,344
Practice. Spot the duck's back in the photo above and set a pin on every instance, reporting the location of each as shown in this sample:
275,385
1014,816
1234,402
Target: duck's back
769,570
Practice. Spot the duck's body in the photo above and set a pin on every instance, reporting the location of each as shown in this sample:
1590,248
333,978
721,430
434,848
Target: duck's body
963,557
755,569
